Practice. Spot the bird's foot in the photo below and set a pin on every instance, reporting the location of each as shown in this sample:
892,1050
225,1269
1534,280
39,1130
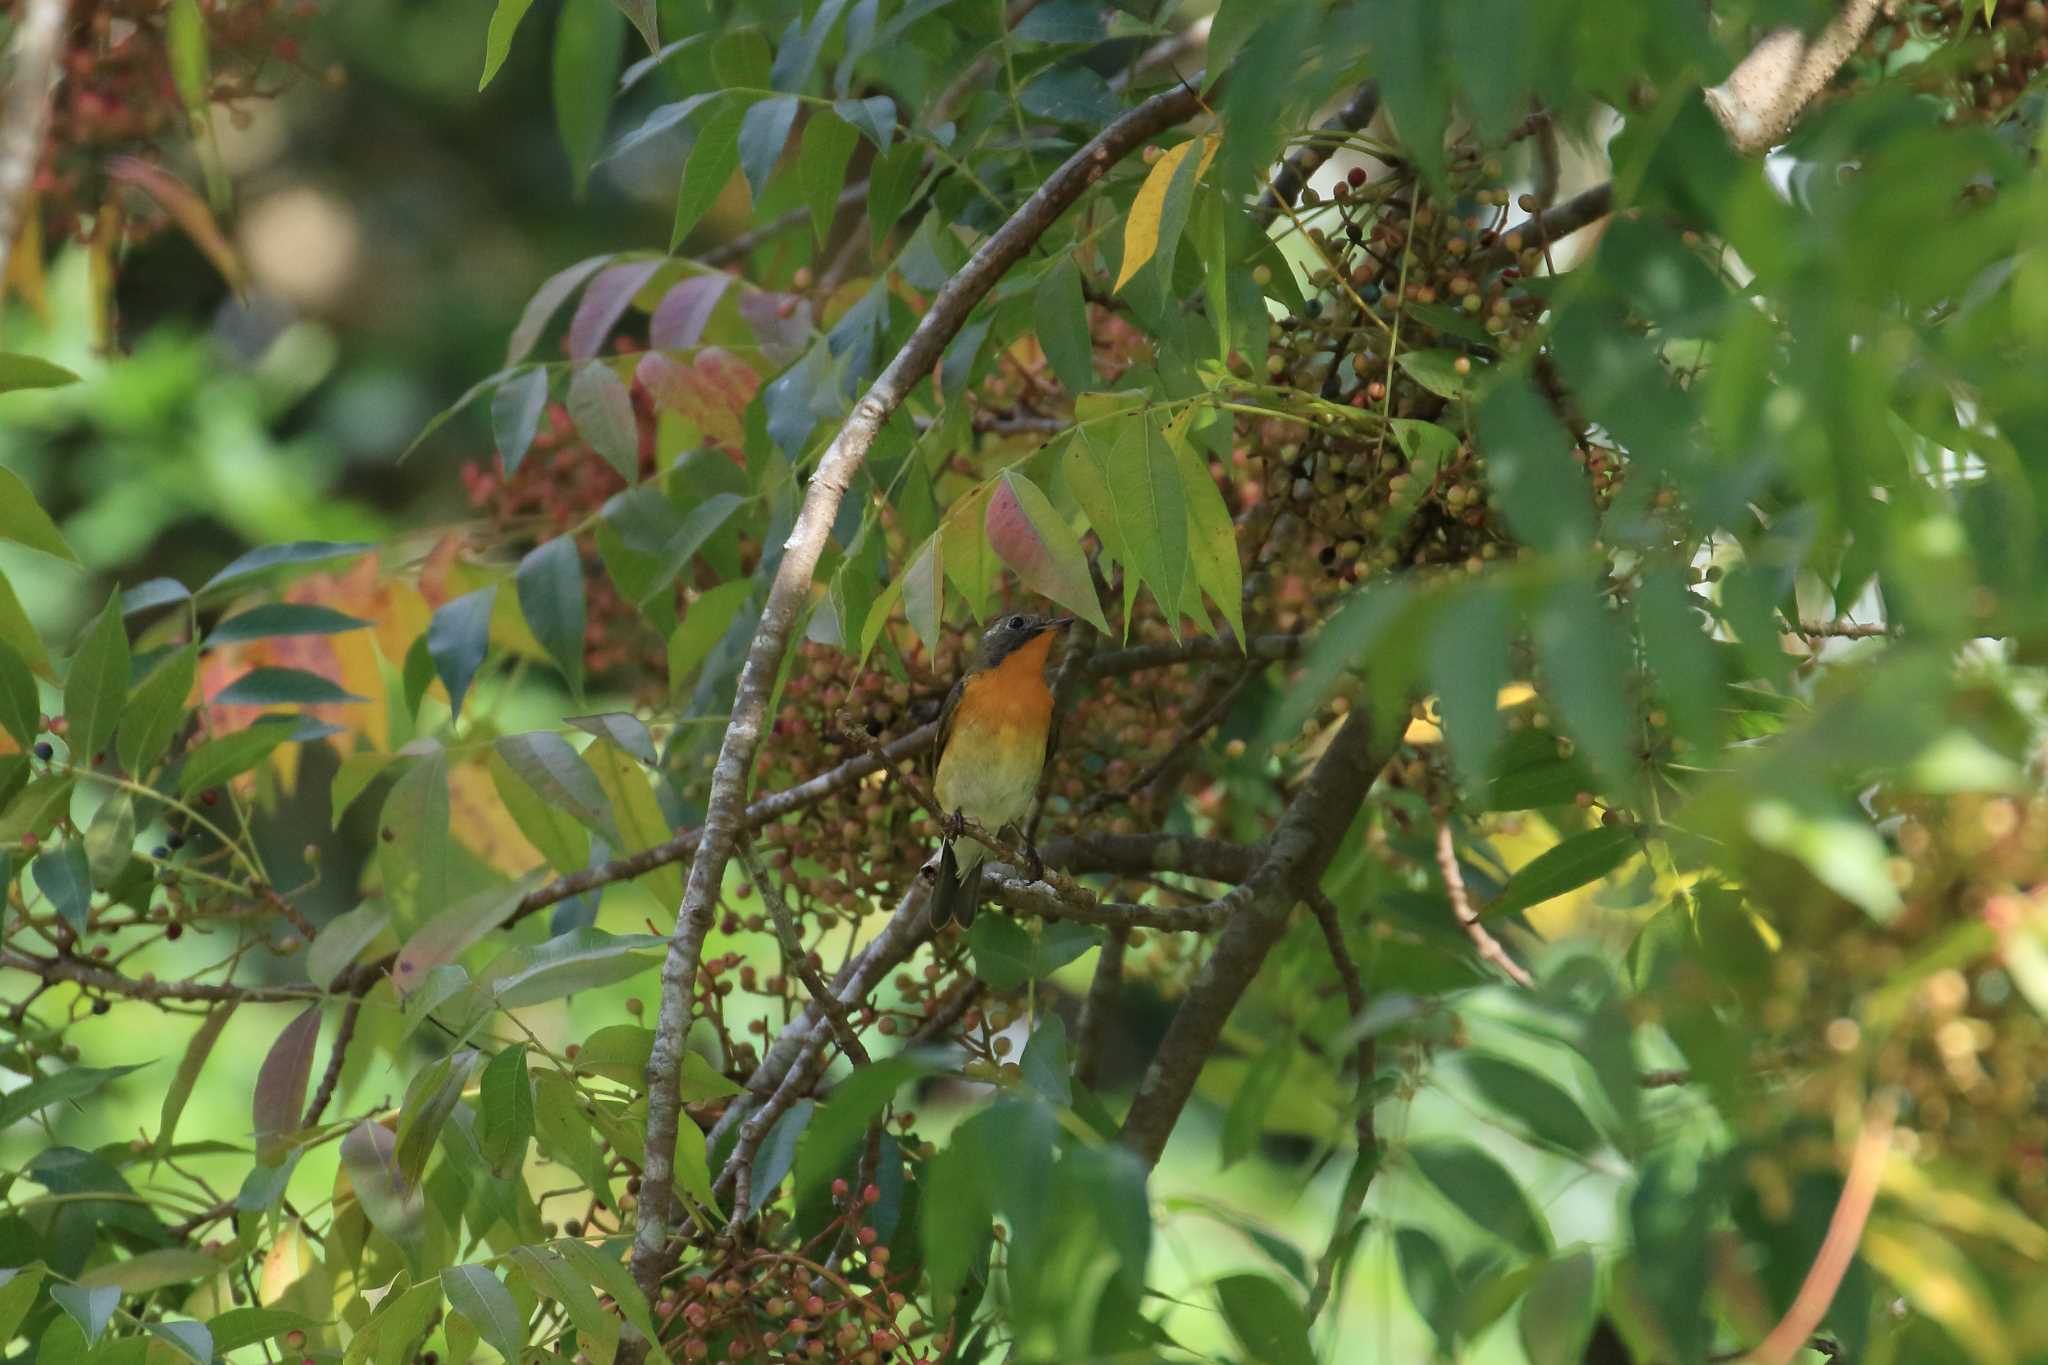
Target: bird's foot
1034,868
954,825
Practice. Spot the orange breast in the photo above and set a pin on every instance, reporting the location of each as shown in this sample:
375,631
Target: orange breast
992,760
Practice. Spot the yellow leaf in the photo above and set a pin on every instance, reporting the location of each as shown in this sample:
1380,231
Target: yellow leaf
1141,229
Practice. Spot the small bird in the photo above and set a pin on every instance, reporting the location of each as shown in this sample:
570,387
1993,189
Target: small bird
994,735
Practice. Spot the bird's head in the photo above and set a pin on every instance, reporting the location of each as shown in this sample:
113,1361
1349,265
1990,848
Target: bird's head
1008,634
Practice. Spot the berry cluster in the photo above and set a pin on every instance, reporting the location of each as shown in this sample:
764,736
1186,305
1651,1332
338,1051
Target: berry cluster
1978,69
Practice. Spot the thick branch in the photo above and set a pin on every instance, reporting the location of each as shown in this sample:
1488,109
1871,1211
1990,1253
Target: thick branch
25,112
1305,160
1255,916
1093,1028
1765,94
787,598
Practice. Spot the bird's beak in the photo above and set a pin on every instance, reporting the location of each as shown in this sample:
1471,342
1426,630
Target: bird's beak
1059,623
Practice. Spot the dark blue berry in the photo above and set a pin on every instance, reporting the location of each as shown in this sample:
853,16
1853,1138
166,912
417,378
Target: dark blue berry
43,750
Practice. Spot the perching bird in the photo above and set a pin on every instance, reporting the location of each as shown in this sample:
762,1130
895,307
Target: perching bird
994,735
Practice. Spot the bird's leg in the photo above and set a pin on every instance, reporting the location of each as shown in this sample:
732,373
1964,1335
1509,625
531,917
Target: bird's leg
1034,869
954,825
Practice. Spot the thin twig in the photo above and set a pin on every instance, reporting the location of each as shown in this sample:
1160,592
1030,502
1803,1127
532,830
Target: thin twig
1365,1061
1306,159
1838,1247
331,1077
1468,919
799,959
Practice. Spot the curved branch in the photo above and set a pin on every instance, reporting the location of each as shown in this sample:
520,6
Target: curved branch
790,594
1255,915
1305,160
1768,90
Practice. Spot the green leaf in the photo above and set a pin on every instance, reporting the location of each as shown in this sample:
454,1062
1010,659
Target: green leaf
73,1083
24,521
542,307
1265,1318
763,133
1585,660
450,931
1059,315
481,1297
874,116
90,1307
576,961
1437,371
565,1131
821,159
185,33
641,825
924,592
700,1082
559,836
96,683
269,562
623,729
153,1270
603,413
505,19
706,622
283,687
1006,955
617,1052
369,1157
21,710
1431,1284
17,1294
547,763
1245,1121
341,941
701,523
215,761
239,1327
840,1123
110,838
457,637
429,1100
1542,1106
279,1099
1212,535
1565,866
415,847
274,619
517,408
640,13
19,371
597,1331
608,1272
64,877
778,1149
1484,1191
505,1102
156,712
1036,541
189,1066
587,56
1557,1312
1128,480
892,181
1529,467
16,630
713,158
550,585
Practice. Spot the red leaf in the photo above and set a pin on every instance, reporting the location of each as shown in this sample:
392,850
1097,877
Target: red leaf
711,393
281,1085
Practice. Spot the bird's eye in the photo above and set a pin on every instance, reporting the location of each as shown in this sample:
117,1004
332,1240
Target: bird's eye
1016,623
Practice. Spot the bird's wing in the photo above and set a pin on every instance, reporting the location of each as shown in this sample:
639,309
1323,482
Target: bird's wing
938,748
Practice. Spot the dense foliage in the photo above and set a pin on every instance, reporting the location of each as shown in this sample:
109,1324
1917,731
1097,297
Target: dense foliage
1543,855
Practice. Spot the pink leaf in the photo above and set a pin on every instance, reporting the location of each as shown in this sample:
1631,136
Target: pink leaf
281,1086
604,303
680,317
1034,540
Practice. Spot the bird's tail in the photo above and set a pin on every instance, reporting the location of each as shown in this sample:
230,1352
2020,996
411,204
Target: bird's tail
956,891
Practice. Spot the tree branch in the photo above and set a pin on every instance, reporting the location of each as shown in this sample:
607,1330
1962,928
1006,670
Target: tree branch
1255,915
25,112
1365,1061
1093,1026
1768,90
1305,160
790,594
1468,919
